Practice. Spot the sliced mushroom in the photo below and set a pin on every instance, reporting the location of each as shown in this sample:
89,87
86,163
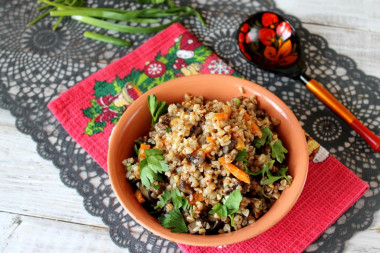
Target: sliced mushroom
218,224
234,186
195,130
145,192
232,145
163,124
195,159
185,187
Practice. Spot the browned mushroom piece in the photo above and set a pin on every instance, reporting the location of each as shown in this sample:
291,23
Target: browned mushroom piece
195,130
145,192
195,159
232,144
185,187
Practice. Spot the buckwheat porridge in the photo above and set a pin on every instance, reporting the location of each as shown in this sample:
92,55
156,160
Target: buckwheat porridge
208,167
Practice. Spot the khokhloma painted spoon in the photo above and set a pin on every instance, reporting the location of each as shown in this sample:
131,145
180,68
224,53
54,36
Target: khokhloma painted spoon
269,41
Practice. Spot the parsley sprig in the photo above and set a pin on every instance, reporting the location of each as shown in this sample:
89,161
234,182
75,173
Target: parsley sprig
270,178
174,219
151,166
242,156
156,108
229,206
176,197
278,150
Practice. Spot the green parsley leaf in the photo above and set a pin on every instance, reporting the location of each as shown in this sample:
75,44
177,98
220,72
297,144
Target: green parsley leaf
266,137
282,172
156,108
174,220
220,209
177,199
151,166
267,166
168,129
271,178
136,147
262,192
278,151
242,155
230,206
232,216
156,186
233,202
129,167
152,104
238,102
165,197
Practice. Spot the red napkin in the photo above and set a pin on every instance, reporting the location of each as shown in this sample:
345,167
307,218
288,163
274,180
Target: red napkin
89,110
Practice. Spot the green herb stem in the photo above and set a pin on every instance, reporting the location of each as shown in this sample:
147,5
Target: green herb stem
104,14
124,28
43,7
57,23
106,39
46,13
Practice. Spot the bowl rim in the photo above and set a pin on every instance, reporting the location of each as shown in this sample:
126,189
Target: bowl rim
206,240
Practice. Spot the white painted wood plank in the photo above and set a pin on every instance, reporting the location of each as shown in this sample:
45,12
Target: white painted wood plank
367,241
27,179
353,14
348,42
29,234
31,185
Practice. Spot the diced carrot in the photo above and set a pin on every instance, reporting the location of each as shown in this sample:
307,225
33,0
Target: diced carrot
221,116
252,124
139,197
240,144
141,150
238,173
196,197
210,139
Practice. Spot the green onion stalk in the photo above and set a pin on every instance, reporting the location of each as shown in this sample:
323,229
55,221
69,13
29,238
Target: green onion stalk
106,17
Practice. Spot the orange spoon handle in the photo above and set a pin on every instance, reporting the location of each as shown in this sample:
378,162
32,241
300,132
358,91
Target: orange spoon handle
330,101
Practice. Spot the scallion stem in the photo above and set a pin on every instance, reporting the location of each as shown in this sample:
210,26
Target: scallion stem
57,23
124,28
104,14
106,39
46,13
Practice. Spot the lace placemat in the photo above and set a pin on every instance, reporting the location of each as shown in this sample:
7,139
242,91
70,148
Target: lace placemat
37,65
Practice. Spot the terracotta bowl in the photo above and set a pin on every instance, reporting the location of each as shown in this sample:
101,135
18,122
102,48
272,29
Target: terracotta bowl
136,120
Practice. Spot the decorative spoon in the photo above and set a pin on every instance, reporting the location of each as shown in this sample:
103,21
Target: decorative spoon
269,41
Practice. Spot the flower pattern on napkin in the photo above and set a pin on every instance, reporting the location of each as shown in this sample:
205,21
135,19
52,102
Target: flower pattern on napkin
185,57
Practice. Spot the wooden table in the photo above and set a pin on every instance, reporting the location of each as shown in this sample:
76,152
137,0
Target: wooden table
39,214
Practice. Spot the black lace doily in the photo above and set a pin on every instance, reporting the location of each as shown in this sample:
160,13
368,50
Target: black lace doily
37,64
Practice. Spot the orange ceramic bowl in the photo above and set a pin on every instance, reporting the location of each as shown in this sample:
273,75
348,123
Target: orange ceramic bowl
136,120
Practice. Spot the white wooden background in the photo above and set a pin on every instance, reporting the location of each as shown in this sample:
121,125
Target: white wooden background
39,214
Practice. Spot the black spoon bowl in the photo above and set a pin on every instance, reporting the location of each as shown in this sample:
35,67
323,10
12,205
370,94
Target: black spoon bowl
270,42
